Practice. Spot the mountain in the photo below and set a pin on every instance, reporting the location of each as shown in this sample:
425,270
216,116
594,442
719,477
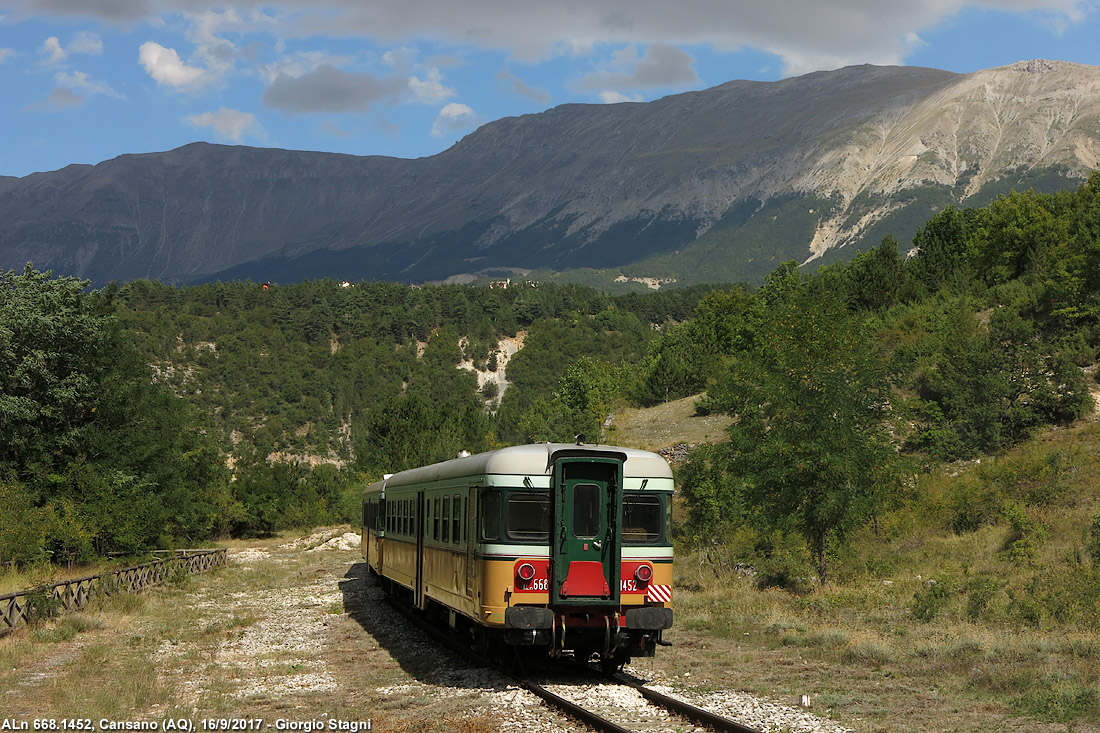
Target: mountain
721,183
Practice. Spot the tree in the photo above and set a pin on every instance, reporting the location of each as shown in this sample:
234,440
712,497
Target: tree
56,350
104,458
810,401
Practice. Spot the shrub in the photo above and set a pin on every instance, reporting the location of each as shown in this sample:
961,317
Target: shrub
1027,534
981,592
40,605
930,601
1093,539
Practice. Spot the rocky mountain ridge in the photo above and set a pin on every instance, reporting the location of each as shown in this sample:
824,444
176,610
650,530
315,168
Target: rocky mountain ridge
723,182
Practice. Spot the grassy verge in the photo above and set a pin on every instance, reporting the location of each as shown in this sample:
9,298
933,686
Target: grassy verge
975,607
277,634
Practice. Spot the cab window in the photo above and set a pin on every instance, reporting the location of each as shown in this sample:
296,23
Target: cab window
528,517
586,511
642,519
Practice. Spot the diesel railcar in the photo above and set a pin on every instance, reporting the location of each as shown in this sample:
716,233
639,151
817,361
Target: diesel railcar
553,549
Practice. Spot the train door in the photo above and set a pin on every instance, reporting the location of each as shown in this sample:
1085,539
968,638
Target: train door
381,535
584,541
369,509
418,527
471,537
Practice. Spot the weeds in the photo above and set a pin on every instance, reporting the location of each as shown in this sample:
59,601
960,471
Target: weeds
40,605
66,628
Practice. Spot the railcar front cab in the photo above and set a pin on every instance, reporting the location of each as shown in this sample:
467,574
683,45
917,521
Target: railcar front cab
591,569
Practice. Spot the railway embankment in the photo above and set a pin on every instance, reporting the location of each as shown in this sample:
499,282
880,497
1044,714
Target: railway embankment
290,633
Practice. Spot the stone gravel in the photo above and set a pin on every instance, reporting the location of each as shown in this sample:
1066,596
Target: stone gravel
283,653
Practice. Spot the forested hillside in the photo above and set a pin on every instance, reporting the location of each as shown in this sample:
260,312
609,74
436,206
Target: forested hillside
241,409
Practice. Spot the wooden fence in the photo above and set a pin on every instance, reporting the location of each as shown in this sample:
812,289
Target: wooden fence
18,609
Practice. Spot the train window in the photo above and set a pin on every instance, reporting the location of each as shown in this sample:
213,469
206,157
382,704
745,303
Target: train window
456,519
642,516
435,518
586,511
389,516
446,516
490,515
529,517
405,517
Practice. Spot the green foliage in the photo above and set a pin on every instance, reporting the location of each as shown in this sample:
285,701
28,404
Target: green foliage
57,348
97,457
40,605
1092,539
810,403
981,590
930,601
686,356
366,377
1027,534
710,493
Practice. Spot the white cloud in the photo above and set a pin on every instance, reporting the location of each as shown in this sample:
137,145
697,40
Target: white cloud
78,81
166,68
539,95
613,97
430,89
402,60
808,36
86,42
52,52
6,53
455,117
229,124
299,64
662,66
328,89
62,97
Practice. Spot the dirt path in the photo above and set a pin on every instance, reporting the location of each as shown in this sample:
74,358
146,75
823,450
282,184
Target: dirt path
290,632
293,634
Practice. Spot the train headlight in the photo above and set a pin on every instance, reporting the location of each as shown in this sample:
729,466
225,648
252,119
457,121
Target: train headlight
526,572
644,573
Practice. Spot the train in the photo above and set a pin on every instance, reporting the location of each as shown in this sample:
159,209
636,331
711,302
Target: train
533,551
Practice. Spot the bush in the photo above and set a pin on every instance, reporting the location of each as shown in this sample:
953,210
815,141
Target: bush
1093,539
40,605
929,602
1027,534
981,591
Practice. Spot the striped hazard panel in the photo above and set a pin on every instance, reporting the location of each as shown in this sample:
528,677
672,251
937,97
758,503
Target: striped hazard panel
659,593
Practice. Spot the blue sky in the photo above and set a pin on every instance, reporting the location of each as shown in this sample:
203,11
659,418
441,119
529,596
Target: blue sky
82,81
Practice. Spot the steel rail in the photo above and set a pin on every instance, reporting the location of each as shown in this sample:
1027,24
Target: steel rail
571,709
593,720
691,712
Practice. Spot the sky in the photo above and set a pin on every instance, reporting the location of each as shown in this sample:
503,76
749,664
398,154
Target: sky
83,81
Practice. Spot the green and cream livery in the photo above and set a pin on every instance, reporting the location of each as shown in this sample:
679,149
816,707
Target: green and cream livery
550,547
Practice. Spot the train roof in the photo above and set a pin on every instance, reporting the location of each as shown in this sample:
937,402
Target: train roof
529,460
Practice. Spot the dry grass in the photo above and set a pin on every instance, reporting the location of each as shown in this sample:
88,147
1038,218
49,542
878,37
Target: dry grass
169,653
871,665
928,627
666,425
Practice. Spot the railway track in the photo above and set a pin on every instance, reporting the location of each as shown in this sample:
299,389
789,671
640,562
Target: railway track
603,701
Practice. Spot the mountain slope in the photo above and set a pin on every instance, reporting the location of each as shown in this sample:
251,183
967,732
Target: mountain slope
731,178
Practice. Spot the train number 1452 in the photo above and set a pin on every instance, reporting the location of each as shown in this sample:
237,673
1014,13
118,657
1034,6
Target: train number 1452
629,585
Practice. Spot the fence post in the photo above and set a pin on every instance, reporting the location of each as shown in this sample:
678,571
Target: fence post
75,594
